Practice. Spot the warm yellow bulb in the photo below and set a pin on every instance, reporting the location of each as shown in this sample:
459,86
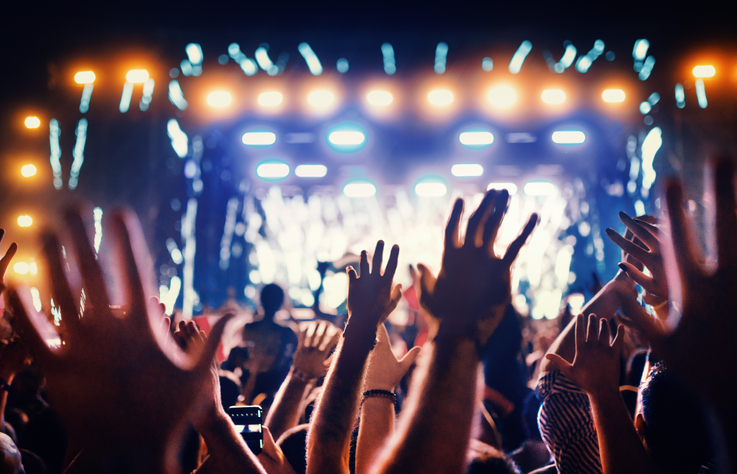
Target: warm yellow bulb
86,77
704,71
28,170
219,99
25,220
32,122
137,76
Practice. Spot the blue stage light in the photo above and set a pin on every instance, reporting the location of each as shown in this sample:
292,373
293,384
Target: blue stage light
568,137
272,170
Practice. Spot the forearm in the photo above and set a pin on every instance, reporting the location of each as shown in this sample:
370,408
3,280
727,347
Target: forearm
377,424
439,414
620,447
228,451
8,379
285,411
336,409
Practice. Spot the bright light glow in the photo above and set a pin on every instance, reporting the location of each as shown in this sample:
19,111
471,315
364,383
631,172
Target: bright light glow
440,97
613,95
84,77
21,268
321,99
259,138
125,97
515,65
84,101
97,215
441,54
272,170
359,189
640,49
25,220
502,97
311,171
650,146
390,65
476,138
176,96
28,170
346,137
431,189
510,187
219,99
680,96
553,96
55,149
137,76
313,63
32,122
701,93
194,53
466,170
704,71
541,188
179,139
568,137
270,99
487,64
379,98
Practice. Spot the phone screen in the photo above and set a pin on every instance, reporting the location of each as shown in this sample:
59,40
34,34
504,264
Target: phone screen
248,422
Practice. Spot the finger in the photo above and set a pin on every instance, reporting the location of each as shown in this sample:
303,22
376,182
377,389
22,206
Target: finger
639,231
31,324
618,341
491,227
479,217
426,285
452,239
647,282
378,257
363,265
560,364
630,247
592,330
395,296
330,343
409,358
604,333
270,449
133,259
60,286
320,331
638,318
391,264
652,228
5,261
352,277
580,332
208,354
726,223
686,253
87,261
517,244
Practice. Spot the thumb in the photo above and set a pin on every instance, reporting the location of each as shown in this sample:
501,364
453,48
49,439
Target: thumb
427,284
560,364
409,358
270,448
213,341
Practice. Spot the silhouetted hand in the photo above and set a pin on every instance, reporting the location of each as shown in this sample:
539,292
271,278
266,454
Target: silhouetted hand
371,297
385,371
595,368
473,285
114,384
5,261
316,342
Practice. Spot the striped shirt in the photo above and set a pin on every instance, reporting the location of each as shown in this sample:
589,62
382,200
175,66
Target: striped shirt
567,426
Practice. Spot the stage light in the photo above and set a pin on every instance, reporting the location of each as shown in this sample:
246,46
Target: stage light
431,188
349,138
32,122
568,137
219,99
259,138
270,99
510,187
28,170
321,99
272,170
466,170
541,188
21,268
84,77
502,97
25,220
137,76
704,71
613,95
359,189
311,171
476,138
553,96
379,98
440,97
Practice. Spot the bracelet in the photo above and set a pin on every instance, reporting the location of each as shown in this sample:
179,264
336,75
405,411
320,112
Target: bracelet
660,305
377,393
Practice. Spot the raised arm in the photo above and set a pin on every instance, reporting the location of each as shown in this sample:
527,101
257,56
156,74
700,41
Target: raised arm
384,373
595,369
310,363
468,297
371,298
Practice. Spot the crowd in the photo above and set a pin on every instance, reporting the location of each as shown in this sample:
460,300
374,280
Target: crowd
635,383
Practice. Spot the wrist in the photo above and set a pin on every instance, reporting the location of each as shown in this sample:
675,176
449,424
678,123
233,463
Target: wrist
301,377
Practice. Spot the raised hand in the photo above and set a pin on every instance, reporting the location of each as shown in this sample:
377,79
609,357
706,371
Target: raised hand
595,368
316,341
371,296
700,344
5,261
385,371
119,393
473,284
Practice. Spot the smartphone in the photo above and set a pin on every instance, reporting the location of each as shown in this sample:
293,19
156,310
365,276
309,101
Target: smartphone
248,422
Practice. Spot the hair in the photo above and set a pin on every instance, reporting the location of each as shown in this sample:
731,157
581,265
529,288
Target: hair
485,459
677,429
272,298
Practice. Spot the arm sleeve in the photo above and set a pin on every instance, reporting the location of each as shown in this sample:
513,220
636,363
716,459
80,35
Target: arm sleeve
567,426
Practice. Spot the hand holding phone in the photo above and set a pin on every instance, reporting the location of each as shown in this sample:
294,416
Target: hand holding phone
248,421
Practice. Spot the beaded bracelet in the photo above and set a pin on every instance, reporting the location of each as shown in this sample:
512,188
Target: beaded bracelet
377,393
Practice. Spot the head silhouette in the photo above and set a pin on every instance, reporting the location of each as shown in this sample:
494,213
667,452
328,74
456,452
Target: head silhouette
272,298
